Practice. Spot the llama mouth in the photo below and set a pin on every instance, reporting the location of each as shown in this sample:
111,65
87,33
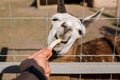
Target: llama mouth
63,41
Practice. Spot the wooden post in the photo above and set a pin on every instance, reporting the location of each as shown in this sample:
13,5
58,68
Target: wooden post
118,9
38,3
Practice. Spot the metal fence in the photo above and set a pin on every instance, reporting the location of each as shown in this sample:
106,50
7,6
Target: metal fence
22,34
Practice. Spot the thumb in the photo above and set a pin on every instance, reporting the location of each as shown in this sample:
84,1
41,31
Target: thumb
46,52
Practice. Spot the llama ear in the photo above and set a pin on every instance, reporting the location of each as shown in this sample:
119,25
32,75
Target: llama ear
92,18
61,7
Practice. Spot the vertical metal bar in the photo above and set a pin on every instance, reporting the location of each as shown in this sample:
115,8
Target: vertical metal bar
11,27
115,39
10,22
116,32
81,40
47,19
47,26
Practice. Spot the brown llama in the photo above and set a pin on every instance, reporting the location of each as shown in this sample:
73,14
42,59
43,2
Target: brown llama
70,29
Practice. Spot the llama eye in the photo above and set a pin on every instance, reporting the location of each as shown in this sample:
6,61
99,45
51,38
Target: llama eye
55,19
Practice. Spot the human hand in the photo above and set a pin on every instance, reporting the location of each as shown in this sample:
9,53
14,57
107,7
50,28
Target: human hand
39,60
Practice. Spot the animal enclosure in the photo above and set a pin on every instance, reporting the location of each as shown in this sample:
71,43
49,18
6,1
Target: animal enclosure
24,30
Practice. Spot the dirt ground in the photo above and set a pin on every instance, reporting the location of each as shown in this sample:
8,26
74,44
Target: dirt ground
28,27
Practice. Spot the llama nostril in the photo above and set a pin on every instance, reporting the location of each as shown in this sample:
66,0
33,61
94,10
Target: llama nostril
56,36
80,32
64,40
64,25
55,19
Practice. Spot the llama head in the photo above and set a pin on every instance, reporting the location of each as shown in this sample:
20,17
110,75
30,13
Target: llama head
68,27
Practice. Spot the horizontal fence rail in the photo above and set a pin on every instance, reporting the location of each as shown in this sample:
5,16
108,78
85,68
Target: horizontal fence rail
69,68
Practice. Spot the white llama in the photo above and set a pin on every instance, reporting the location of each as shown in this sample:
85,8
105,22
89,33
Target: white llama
68,27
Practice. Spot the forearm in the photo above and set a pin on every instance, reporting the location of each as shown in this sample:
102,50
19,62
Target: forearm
26,76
